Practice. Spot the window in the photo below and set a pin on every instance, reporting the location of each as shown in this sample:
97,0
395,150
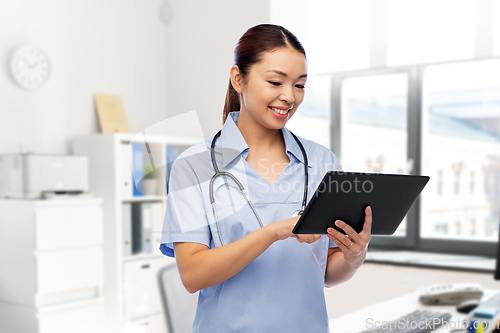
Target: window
461,129
374,107
444,118
373,120
312,119
438,120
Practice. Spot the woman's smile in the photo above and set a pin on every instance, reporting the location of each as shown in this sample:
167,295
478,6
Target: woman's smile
281,113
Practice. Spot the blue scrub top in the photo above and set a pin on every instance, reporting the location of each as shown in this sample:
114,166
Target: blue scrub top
283,289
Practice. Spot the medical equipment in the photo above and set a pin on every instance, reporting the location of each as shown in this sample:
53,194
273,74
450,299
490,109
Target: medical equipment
225,173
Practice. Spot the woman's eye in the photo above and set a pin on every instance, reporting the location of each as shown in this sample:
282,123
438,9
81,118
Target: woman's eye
300,86
274,83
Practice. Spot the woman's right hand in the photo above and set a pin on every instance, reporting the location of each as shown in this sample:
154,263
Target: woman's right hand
283,229
201,267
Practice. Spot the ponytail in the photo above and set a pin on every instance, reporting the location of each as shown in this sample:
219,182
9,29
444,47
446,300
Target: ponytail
232,102
249,50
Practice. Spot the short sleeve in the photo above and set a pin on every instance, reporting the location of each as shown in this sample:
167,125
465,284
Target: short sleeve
335,165
185,218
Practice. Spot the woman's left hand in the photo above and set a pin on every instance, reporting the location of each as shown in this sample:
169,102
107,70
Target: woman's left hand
353,245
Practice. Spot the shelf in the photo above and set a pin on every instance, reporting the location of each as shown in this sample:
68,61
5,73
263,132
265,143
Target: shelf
111,177
145,198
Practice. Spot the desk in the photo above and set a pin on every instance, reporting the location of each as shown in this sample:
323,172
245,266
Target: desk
358,321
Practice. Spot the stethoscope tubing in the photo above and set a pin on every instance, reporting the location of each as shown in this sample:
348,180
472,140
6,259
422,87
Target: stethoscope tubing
242,189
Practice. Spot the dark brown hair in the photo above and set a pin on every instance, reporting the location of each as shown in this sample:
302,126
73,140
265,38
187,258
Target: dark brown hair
248,51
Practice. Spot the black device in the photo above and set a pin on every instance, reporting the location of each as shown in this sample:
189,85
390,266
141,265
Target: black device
345,195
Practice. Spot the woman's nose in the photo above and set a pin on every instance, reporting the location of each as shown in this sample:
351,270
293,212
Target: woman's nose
287,95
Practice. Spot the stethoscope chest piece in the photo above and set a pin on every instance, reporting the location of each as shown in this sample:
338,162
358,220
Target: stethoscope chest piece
297,213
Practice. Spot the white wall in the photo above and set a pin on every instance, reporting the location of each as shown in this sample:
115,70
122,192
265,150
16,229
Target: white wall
112,46
201,39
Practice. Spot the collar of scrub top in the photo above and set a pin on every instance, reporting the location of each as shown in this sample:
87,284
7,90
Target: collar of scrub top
238,143
232,139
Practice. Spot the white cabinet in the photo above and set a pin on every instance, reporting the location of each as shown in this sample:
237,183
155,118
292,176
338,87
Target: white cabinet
77,226
83,318
51,261
133,300
141,289
70,269
152,324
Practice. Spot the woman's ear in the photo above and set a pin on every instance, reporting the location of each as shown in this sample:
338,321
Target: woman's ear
236,79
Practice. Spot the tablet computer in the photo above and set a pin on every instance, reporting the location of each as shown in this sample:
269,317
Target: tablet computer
345,195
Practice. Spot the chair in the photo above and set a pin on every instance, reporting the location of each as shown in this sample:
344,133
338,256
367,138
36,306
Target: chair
178,304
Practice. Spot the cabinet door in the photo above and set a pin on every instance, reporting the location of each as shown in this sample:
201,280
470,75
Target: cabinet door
60,271
152,324
157,324
68,226
141,289
82,319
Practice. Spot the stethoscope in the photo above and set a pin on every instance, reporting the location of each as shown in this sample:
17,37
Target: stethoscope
225,173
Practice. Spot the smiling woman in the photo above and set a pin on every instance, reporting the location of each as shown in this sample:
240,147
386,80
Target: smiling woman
256,43
232,235
280,88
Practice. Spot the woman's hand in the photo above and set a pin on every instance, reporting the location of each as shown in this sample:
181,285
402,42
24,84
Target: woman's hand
354,245
283,229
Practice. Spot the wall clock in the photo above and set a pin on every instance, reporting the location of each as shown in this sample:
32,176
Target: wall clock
30,67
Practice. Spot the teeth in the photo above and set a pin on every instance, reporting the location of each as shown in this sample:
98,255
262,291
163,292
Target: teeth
280,111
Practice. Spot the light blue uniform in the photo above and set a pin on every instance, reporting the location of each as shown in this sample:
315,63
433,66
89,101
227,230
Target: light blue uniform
283,289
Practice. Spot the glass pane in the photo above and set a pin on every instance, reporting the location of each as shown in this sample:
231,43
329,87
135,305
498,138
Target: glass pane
374,125
461,151
312,119
420,31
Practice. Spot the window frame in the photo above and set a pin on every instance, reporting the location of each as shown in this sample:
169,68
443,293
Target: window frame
412,240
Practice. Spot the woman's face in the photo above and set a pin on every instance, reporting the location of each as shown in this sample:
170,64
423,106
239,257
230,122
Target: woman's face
274,87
